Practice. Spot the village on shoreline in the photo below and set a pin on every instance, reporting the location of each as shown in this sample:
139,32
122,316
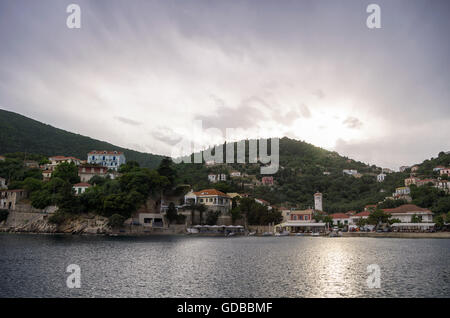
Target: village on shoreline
59,190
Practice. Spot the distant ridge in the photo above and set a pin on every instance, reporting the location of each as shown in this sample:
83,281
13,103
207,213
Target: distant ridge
22,134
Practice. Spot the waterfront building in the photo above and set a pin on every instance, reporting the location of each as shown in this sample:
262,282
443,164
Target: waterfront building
318,201
444,171
213,199
356,217
80,188
9,198
152,220
301,215
340,219
405,213
109,159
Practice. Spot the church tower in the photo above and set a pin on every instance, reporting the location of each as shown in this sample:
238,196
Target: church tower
318,201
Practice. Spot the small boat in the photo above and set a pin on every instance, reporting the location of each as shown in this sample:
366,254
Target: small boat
252,234
267,234
231,234
284,233
315,234
299,234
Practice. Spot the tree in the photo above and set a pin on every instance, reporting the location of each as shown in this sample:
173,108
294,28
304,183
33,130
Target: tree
416,219
196,207
378,217
361,222
67,172
171,213
167,170
212,217
116,221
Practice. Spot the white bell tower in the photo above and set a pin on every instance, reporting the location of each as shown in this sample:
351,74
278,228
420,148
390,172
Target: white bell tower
318,201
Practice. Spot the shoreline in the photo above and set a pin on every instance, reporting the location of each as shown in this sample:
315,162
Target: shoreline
436,235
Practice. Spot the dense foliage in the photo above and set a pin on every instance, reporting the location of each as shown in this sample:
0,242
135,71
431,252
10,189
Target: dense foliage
19,133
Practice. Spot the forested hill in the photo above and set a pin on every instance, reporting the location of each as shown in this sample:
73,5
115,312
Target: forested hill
304,169
21,134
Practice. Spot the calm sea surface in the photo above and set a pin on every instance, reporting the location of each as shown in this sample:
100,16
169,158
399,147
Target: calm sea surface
177,266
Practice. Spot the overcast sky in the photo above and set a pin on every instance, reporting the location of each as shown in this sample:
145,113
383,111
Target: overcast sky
139,73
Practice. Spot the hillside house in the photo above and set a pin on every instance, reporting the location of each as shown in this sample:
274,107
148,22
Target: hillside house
235,174
109,159
350,172
56,160
381,177
80,188
444,171
87,172
267,181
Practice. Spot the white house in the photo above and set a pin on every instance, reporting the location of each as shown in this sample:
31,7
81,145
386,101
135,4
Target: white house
405,213
340,218
401,191
349,172
217,177
153,220
109,159
80,188
380,177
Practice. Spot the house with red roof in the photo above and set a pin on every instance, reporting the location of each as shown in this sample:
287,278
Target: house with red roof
213,199
56,160
80,188
405,213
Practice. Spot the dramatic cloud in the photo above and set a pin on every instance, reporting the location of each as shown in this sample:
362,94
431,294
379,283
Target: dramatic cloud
139,74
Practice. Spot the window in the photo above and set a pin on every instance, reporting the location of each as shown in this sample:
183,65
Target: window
147,220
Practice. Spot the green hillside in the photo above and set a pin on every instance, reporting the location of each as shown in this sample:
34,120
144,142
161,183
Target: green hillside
301,174
21,134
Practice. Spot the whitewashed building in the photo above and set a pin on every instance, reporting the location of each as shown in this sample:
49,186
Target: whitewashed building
80,188
381,177
405,213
